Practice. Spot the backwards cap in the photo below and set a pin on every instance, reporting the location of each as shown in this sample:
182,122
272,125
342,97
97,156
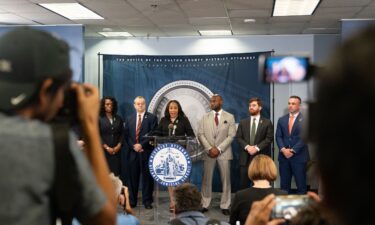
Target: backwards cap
27,57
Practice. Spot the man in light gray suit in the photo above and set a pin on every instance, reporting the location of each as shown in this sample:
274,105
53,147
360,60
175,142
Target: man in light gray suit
216,132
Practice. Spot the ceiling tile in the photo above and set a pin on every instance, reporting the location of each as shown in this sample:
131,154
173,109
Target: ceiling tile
250,13
343,3
208,21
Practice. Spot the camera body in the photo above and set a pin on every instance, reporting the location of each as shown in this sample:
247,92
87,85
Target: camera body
284,69
287,206
68,112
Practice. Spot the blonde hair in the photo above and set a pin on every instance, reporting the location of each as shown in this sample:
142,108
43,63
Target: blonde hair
262,167
117,183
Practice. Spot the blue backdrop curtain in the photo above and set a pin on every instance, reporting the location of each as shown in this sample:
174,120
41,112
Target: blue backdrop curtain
233,76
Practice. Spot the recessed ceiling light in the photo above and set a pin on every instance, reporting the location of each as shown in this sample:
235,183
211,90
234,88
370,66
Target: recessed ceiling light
72,11
294,8
115,34
249,20
214,32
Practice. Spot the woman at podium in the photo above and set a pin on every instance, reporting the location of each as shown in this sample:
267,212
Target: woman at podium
174,123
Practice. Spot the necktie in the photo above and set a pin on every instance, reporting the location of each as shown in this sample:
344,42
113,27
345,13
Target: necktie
253,130
217,119
290,124
138,128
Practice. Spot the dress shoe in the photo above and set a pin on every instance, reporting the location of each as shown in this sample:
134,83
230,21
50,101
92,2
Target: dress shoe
148,206
225,212
203,210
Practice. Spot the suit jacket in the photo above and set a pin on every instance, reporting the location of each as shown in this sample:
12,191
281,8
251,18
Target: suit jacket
183,127
263,138
111,134
149,123
220,136
294,140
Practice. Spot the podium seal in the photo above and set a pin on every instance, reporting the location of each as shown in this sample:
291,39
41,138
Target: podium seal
170,164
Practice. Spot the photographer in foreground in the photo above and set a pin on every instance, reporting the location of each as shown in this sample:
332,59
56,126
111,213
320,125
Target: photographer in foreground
343,133
34,72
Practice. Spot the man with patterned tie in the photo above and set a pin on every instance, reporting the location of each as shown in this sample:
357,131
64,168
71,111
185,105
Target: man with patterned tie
138,152
254,135
294,154
216,132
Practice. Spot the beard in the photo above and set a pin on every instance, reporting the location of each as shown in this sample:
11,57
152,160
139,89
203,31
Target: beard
254,112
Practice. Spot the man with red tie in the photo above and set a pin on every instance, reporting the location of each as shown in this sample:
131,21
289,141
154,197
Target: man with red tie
139,150
216,132
294,154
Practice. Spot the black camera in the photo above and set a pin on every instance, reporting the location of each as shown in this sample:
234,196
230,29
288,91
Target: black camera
284,69
287,206
68,112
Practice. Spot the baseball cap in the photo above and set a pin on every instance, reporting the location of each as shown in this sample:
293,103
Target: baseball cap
27,57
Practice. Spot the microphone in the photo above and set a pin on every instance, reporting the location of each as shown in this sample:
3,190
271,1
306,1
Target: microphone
174,129
170,127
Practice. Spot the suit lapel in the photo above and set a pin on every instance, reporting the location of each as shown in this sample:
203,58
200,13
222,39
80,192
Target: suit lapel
247,129
296,122
260,126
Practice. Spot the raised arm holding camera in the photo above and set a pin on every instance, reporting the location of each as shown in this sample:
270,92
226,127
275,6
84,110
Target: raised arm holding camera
34,72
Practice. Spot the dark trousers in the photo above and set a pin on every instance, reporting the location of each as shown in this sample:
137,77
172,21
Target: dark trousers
138,168
114,163
296,169
245,182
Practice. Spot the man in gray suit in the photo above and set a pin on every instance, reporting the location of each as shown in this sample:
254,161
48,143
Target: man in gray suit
216,132
255,135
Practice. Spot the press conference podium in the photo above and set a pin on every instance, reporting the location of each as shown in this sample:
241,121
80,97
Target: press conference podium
191,145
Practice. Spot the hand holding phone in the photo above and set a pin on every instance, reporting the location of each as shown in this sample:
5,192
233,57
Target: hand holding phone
287,206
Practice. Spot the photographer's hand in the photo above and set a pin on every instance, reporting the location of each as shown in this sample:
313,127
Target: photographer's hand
314,196
128,208
260,212
88,114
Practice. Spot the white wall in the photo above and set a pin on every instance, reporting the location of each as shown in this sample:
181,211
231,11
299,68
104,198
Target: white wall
281,44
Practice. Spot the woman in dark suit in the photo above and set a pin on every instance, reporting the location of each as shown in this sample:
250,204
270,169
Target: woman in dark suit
262,171
111,133
174,117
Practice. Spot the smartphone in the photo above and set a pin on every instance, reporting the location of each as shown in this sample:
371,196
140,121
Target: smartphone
284,69
287,206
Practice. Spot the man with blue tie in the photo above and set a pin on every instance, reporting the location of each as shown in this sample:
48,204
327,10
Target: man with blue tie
294,154
139,149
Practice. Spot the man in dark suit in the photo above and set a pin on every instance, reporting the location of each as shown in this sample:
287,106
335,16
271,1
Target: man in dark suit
139,150
254,135
294,154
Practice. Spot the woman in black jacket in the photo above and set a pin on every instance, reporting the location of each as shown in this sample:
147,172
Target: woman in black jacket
262,171
111,133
